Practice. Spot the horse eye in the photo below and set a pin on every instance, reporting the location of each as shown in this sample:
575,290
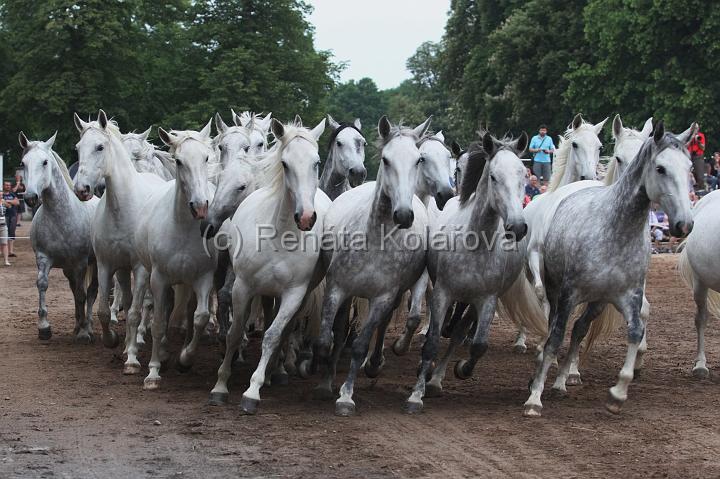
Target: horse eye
284,165
617,158
339,143
177,162
259,145
100,148
492,178
242,188
207,158
574,145
420,160
385,161
246,149
660,169
220,147
317,164
44,163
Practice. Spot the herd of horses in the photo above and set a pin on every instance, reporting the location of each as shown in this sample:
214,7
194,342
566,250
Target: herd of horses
440,225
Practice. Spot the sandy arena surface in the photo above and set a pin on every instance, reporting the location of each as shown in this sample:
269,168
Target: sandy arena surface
67,411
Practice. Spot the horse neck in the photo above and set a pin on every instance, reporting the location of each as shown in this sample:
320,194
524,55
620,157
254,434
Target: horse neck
381,210
629,201
331,182
122,179
181,209
58,195
484,218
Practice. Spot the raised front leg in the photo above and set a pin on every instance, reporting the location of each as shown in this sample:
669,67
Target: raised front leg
630,306
376,361
417,293
439,304
559,317
380,307
201,316
485,308
140,275
44,264
161,291
289,304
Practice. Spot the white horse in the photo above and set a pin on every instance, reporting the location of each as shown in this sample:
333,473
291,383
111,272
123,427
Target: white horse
607,225
576,160
257,128
145,155
389,221
345,164
698,268
434,188
474,255
170,247
102,156
60,233
275,236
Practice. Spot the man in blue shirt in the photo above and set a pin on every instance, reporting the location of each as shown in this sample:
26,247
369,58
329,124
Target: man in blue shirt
542,146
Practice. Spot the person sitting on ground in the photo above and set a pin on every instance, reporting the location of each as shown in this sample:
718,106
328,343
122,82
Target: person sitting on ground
532,189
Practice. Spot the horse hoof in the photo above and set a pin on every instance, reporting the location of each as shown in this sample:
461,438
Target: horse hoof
131,368
151,384
398,348
573,380
112,340
412,407
291,369
519,349
182,368
45,334
218,399
613,404
322,394
701,372
532,410
373,371
433,390
84,338
249,405
344,409
459,370
558,393
280,379
303,369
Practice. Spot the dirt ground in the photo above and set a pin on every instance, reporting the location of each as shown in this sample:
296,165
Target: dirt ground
67,411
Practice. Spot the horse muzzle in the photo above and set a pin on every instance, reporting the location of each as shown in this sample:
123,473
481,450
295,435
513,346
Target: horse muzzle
443,196
516,231
356,176
680,229
83,192
208,229
404,217
305,221
31,199
199,209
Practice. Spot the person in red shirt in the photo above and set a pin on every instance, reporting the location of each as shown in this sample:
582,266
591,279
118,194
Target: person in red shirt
697,155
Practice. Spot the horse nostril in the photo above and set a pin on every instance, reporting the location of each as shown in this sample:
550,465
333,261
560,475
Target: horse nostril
582,177
352,171
297,217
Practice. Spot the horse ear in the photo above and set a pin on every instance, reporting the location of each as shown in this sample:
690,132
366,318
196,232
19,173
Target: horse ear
617,126
236,118
659,132
488,143
422,128
647,128
318,130
79,123
332,123
146,134
278,130
265,123
207,129
687,135
102,119
357,124
51,141
439,135
456,149
598,128
22,139
298,121
577,121
166,137
384,127
521,143
220,124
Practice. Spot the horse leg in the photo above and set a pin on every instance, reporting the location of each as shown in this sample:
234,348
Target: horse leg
124,282
559,315
44,264
91,294
160,288
439,304
417,293
700,293
224,299
117,301
76,278
333,332
485,312
379,308
109,337
376,361
141,276
452,318
645,315
202,288
457,335
630,306
290,303
579,331
145,317
241,298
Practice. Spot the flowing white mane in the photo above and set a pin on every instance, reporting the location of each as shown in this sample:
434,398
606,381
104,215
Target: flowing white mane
63,169
563,153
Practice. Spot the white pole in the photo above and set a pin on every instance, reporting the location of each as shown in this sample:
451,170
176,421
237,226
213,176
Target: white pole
1,166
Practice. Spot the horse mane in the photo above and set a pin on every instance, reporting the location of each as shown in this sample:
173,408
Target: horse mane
611,172
63,169
268,165
563,153
397,131
213,168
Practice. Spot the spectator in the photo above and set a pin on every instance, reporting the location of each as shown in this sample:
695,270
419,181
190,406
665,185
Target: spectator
542,146
532,189
697,154
3,232
713,169
19,190
11,214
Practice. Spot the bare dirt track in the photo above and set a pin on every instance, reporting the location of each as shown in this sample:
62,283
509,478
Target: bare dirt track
67,411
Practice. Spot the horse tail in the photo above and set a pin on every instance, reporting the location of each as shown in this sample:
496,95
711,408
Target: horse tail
311,312
521,305
90,274
609,321
688,276
361,308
